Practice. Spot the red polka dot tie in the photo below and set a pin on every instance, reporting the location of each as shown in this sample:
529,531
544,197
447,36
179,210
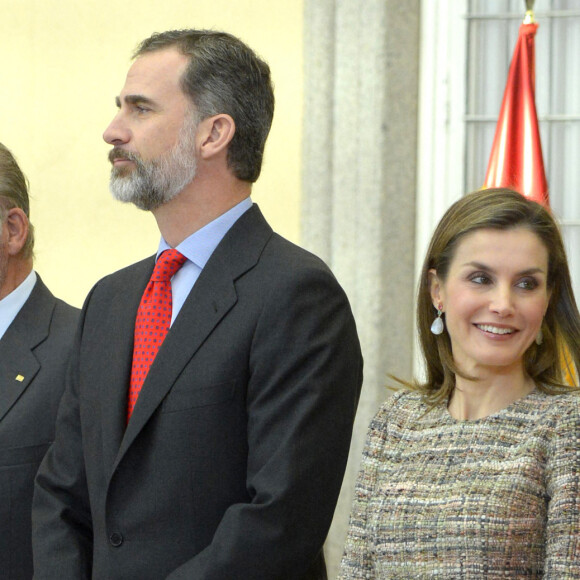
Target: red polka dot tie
153,320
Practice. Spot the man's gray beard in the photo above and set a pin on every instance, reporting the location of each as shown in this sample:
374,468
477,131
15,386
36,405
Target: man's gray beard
153,183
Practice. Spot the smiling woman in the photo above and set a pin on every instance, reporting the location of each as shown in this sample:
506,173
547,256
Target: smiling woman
518,238
475,472
494,297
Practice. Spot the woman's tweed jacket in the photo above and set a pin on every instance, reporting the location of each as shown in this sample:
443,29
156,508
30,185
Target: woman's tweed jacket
497,497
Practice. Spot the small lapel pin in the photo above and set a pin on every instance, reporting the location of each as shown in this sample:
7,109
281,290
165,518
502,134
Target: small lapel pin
19,378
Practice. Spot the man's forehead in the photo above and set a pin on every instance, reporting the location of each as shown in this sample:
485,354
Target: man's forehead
157,69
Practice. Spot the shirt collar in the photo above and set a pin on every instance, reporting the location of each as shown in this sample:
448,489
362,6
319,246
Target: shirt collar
11,304
201,244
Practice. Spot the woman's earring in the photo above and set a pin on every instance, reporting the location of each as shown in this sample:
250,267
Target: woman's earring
540,338
437,327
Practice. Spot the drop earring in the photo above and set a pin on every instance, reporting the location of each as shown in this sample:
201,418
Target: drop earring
540,338
437,327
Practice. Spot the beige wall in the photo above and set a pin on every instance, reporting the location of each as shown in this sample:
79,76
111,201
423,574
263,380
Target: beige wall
62,64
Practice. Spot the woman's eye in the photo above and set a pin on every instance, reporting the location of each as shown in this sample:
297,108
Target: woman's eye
480,279
528,284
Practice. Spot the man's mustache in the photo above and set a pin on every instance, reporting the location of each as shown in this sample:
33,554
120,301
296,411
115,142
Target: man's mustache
118,153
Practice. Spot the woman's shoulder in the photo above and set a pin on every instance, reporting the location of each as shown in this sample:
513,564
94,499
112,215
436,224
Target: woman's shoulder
560,405
557,430
401,400
401,406
567,410
554,417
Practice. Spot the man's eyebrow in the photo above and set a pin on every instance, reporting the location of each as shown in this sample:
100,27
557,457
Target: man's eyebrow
134,100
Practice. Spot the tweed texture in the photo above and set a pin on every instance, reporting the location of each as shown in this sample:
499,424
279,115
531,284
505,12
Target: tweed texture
497,497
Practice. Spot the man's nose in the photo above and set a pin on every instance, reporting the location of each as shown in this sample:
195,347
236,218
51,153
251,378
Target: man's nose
117,132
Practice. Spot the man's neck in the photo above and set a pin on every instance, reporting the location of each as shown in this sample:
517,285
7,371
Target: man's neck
192,209
16,272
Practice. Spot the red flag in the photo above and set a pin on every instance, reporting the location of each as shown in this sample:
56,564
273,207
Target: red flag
516,155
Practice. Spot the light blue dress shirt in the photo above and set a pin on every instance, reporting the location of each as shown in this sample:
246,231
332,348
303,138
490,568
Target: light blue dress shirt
10,305
198,248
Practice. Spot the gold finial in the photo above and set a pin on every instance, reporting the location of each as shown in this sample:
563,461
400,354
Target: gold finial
529,18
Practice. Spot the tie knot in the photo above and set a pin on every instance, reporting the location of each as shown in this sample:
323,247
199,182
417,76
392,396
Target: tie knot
167,264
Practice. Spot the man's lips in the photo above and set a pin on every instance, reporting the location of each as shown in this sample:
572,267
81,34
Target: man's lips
118,156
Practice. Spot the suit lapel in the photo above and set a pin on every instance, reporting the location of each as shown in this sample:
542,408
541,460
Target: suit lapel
116,354
18,364
198,317
212,297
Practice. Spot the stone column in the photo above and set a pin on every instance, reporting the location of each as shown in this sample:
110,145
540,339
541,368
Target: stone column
359,173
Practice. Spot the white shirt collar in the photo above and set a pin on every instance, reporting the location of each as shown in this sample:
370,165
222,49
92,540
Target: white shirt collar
10,305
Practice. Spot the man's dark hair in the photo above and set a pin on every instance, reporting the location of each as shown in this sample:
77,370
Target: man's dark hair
225,76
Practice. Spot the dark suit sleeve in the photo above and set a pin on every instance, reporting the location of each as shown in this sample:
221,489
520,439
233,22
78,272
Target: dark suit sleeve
61,515
305,379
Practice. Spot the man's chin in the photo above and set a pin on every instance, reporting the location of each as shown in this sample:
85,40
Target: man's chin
121,189
125,195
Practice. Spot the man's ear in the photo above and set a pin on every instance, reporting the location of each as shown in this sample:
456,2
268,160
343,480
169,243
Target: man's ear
435,288
16,226
215,134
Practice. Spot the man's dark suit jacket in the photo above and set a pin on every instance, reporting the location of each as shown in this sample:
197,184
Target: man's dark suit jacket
34,352
232,461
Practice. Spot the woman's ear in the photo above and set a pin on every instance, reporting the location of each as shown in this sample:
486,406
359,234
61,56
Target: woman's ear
216,134
435,287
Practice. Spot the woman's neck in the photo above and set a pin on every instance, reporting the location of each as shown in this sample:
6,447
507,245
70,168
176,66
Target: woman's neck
492,392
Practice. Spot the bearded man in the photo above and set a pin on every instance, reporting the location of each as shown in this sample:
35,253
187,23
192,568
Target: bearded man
208,411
